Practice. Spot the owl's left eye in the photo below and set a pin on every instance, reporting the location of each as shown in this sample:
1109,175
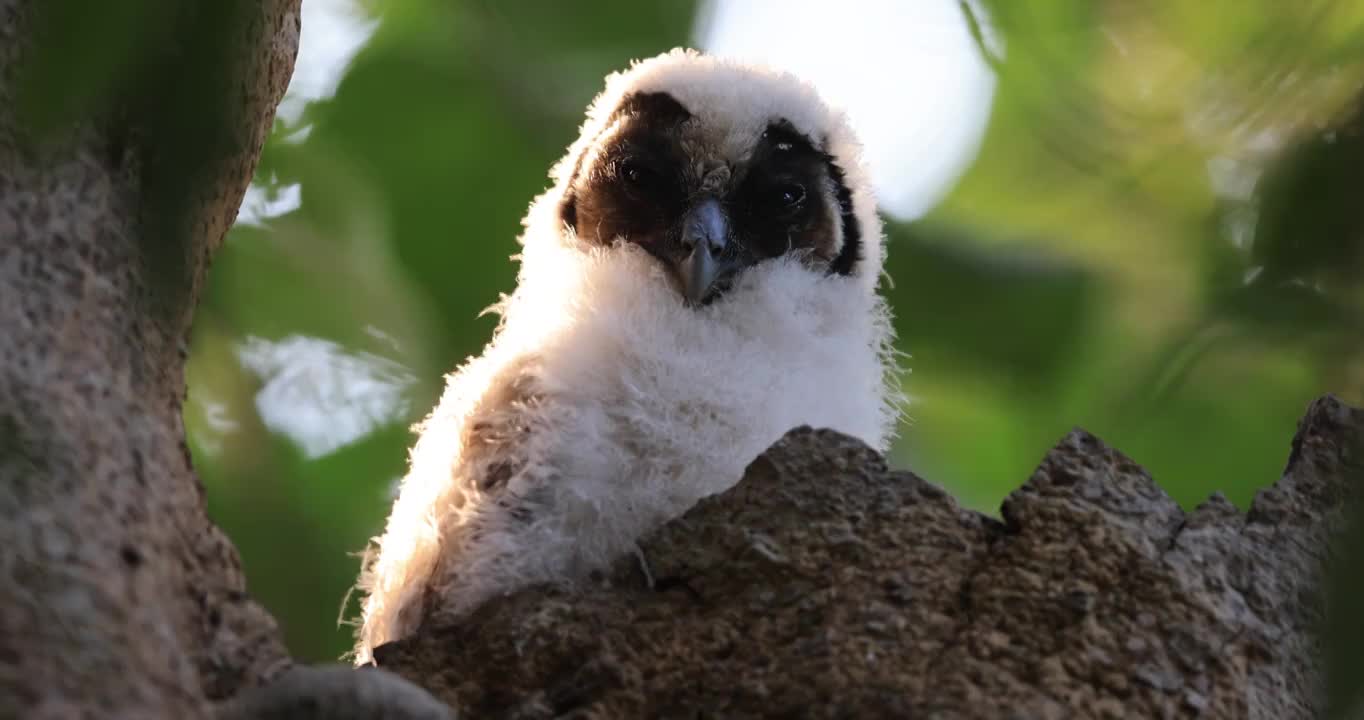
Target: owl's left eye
789,195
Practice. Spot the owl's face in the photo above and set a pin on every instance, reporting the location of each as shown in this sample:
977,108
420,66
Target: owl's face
709,195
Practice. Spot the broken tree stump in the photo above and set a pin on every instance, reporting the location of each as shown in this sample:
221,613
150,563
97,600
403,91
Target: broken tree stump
825,584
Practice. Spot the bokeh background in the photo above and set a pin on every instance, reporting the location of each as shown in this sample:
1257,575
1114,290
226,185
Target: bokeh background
1139,218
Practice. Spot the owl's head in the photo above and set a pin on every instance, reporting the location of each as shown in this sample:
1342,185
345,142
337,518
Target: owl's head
712,166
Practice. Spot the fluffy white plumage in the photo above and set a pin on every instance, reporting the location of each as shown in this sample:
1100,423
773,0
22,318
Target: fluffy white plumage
604,406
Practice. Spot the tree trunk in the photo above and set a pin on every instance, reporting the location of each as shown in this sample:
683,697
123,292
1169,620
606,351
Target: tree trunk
826,585
118,597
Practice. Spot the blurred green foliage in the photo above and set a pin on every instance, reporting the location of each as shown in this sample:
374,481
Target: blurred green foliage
1156,242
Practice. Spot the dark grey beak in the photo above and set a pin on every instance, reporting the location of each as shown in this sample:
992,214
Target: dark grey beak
705,234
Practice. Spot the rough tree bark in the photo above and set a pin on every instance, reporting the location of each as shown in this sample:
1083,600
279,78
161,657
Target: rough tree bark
118,597
823,584
827,585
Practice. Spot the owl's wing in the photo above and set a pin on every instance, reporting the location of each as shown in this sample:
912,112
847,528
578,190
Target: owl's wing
497,438
497,446
459,494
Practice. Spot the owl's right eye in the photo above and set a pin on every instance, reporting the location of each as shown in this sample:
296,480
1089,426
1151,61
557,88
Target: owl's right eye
645,184
633,174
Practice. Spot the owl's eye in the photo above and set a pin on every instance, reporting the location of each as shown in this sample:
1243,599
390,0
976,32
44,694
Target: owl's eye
789,195
634,174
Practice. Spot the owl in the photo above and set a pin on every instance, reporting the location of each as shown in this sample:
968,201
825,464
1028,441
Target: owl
700,278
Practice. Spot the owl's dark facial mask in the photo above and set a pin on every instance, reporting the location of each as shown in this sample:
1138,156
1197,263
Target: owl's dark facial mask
708,218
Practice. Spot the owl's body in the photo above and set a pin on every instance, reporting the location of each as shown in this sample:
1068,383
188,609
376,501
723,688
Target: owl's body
608,402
